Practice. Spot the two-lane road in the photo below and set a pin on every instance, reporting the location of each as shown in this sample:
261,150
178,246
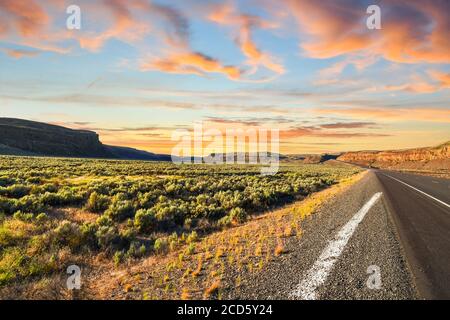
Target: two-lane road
397,224
421,211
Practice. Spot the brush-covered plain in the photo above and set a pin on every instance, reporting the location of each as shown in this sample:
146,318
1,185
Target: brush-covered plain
55,212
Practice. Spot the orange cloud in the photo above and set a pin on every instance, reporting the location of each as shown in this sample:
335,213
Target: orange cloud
442,77
125,26
412,31
225,14
26,16
319,133
347,125
416,31
17,54
333,27
192,63
419,85
391,114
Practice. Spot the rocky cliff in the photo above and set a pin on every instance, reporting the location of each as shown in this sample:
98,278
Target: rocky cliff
29,138
431,158
46,139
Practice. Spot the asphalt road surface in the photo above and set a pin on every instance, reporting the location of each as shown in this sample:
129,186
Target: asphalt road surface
422,215
386,237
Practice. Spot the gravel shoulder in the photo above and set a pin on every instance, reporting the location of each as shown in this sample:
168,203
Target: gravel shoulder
375,242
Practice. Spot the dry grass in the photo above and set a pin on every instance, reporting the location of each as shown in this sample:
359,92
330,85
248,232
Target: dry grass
185,294
245,248
279,249
213,289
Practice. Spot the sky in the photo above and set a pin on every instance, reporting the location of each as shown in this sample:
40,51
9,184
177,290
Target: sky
137,70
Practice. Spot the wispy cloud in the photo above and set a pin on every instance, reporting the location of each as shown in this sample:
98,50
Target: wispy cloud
413,31
347,125
226,14
191,63
19,53
391,114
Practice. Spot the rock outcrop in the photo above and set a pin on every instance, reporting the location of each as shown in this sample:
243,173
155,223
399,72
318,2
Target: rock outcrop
30,138
431,158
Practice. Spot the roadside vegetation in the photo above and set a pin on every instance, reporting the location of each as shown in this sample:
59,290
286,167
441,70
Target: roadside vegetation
57,212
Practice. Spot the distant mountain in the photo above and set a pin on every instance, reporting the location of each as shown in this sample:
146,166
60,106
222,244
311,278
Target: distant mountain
311,158
429,158
31,138
135,154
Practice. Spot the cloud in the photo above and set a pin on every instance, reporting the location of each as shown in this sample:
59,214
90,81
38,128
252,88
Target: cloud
442,78
413,31
28,23
226,14
192,63
391,114
234,121
251,121
106,101
332,28
19,53
319,133
347,125
418,84
135,19
27,17
125,26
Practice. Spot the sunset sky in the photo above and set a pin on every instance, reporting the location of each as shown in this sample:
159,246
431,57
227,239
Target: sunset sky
139,69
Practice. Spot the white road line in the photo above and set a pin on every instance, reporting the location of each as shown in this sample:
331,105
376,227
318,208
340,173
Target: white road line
441,202
317,275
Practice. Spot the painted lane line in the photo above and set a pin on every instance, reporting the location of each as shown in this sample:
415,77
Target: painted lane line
317,275
441,202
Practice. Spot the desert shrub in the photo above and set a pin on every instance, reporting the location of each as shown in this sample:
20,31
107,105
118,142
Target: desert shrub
120,210
188,223
190,249
160,246
51,199
23,216
6,181
238,214
11,263
193,237
225,221
30,203
15,191
145,220
6,237
148,200
97,203
34,180
173,241
16,263
68,234
104,220
118,258
171,212
107,236
42,217
88,230
127,235
136,250
70,196
7,206
49,187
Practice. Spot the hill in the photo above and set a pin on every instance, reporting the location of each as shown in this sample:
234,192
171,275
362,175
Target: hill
31,138
428,158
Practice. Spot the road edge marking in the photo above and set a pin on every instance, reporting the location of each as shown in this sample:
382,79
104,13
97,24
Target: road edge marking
440,201
317,275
